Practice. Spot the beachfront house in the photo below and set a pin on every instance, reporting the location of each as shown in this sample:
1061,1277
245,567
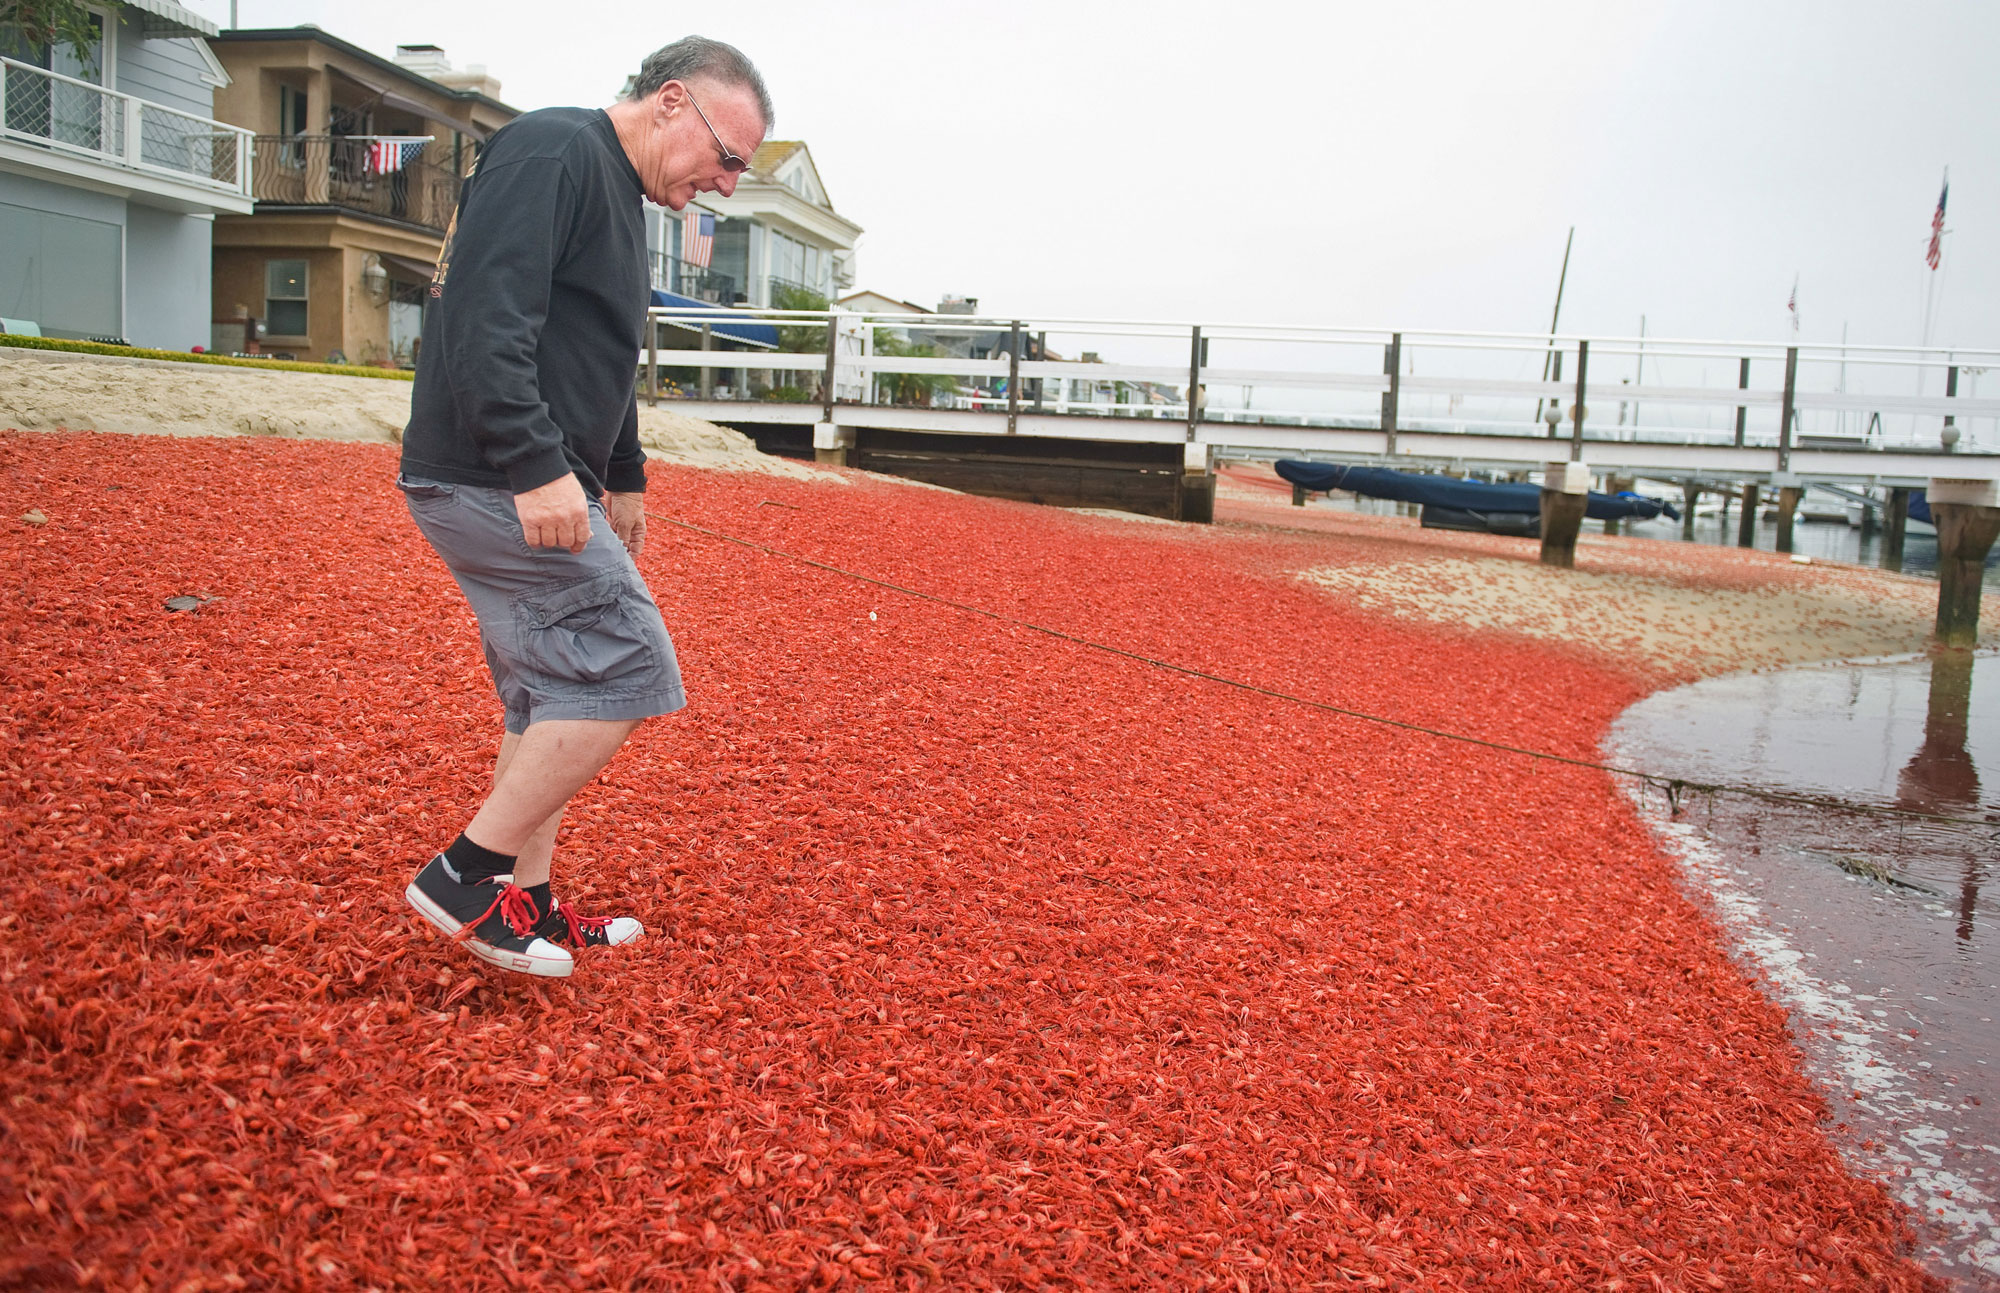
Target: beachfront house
112,168
776,237
359,162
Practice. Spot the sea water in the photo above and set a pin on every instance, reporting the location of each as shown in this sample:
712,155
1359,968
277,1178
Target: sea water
1874,917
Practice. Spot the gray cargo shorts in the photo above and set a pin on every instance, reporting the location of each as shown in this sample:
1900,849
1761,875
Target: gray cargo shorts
567,635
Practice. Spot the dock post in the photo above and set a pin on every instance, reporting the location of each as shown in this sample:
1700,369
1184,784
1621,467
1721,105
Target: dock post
1723,515
1895,521
1195,499
832,360
1013,376
1746,525
1742,384
1616,485
1196,353
707,373
1298,494
1967,514
1785,421
1949,436
652,362
1555,419
1788,511
1690,495
1577,410
1565,496
1392,367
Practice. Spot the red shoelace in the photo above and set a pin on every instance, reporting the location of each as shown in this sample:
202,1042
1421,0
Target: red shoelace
517,908
580,925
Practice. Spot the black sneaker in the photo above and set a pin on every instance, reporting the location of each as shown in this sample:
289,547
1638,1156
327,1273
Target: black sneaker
495,919
563,925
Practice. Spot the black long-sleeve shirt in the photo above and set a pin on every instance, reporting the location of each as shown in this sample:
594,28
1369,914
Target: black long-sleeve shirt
537,313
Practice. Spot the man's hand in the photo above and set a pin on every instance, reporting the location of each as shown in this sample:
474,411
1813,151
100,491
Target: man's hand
628,520
555,515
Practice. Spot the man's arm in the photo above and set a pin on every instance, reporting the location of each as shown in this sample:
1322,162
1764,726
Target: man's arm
515,220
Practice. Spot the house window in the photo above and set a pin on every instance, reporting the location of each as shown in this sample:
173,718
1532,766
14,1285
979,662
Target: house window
285,298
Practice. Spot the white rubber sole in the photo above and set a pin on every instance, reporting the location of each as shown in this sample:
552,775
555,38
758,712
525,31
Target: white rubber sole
545,967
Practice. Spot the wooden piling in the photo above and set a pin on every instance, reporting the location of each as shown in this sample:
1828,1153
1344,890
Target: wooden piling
1562,520
1895,520
1746,525
1965,535
1298,494
1690,495
1615,485
1788,512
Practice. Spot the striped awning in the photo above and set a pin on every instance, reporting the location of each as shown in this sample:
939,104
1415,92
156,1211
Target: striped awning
165,18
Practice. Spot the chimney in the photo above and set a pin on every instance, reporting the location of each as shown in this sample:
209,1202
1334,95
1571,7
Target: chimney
424,60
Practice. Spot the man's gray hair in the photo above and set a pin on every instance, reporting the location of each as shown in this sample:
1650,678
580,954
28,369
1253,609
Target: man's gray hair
699,56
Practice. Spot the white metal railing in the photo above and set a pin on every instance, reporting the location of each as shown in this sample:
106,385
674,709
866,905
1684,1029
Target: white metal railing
66,115
1689,392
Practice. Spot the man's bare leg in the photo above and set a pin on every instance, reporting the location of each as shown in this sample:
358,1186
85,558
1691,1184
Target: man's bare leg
537,773
531,866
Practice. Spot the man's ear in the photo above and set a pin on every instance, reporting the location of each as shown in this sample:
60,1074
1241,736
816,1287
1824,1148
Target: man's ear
667,98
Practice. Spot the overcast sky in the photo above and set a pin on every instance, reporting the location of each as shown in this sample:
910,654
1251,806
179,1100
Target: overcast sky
1411,164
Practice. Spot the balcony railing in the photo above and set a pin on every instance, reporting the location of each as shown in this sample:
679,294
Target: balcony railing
68,116
672,274
345,171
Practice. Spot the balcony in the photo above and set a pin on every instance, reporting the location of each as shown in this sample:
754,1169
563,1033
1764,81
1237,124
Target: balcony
344,171
77,122
672,274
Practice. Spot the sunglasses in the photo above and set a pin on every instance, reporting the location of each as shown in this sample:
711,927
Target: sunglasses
730,161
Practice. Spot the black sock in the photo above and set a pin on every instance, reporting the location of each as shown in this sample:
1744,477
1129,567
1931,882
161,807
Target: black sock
540,893
474,863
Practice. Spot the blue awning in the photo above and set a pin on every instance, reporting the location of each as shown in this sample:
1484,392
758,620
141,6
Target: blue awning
743,329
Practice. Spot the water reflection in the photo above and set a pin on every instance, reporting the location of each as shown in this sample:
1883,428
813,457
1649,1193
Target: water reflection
1942,776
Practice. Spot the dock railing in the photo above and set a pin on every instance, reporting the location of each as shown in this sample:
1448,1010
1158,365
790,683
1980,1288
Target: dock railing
1293,388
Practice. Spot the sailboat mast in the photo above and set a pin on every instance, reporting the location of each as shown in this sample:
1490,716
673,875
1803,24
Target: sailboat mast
1561,279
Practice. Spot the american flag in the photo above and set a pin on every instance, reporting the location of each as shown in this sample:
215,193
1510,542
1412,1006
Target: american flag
697,238
392,154
1936,252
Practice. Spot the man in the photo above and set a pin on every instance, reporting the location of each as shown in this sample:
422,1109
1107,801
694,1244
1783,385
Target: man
522,466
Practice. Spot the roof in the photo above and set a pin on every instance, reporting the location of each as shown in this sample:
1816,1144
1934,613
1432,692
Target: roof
772,153
307,31
165,18
880,296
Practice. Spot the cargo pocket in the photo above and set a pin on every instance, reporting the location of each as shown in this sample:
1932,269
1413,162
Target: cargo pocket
426,494
583,637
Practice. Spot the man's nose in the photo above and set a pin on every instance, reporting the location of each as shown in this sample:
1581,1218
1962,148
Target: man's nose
727,184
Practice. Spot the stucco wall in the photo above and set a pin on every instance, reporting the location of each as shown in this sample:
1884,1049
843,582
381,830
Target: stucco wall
166,292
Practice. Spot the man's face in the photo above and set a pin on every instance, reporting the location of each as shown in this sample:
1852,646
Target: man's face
687,159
